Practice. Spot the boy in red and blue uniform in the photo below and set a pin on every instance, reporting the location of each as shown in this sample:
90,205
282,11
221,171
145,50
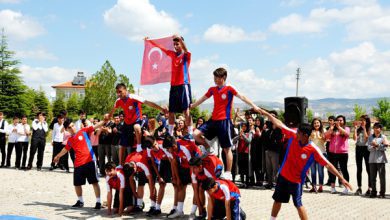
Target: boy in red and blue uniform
132,110
223,199
180,96
300,154
85,161
220,125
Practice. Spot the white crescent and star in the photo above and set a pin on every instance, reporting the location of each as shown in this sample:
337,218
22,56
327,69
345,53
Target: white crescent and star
158,50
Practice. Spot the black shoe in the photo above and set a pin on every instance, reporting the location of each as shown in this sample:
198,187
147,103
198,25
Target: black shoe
23,168
7,166
137,209
382,195
156,212
268,186
98,206
151,211
368,193
373,194
171,212
51,168
39,168
358,192
201,217
67,170
78,204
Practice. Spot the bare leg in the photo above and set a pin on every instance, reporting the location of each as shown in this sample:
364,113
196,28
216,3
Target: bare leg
302,213
137,130
121,155
161,192
79,191
96,189
229,158
275,209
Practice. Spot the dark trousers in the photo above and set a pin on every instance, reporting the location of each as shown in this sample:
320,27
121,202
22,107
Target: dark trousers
103,151
341,159
24,147
2,149
378,168
37,144
57,147
360,154
18,151
243,168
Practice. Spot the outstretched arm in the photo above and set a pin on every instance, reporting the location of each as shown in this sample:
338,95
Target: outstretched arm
247,101
154,105
333,170
274,120
198,102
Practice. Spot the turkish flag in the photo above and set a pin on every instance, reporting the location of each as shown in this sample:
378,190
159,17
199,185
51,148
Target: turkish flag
156,65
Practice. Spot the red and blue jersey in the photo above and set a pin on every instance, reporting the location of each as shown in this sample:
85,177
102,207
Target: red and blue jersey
116,182
141,160
131,106
185,151
223,101
82,147
298,158
180,65
226,190
212,167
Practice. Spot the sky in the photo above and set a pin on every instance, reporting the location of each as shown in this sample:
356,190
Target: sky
341,46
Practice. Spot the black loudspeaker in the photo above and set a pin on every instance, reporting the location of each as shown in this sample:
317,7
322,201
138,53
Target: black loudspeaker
295,111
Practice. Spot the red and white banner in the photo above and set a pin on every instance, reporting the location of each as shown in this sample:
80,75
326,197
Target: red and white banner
156,65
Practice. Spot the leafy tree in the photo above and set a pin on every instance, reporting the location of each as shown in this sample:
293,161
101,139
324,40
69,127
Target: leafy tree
382,112
73,105
41,103
359,111
125,80
59,104
12,88
100,93
310,115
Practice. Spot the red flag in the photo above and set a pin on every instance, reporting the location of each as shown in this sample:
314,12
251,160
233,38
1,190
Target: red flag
156,65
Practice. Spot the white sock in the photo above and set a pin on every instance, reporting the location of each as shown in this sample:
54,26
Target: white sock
80,198
158,207
139,148
190,129
193,209
139,202
98,200
170,129
180,206
272,218
152,203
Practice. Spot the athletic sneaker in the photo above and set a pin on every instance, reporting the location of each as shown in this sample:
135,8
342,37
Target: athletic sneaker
156,212
78,204
345,192
176,214
151,211
192,216
333,190
98,206
227,175
171,212
137,209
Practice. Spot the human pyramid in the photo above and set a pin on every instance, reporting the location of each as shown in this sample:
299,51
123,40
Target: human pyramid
165,159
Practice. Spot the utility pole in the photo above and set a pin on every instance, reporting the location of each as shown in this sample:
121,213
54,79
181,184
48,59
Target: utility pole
298,72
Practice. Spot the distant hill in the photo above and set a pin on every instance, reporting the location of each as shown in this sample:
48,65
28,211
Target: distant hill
320,107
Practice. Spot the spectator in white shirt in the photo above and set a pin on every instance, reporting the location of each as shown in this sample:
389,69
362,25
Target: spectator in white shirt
38,140
23,130
3,132
82,122
12,132
57,140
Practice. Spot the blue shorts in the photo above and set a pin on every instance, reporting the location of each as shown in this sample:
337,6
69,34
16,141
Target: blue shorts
219,211
223,129
285,188
127,135
179,98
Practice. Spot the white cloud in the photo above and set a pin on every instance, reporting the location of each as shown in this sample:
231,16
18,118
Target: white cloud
295,23
363,20
19,26
220,33
39,54
137,19
42,77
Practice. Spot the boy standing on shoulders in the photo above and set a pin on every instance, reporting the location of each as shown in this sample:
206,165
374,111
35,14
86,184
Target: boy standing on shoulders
220,124
84,164
300,154
180,92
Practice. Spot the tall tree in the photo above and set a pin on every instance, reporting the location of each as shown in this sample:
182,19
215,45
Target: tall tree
12,88
359,111
73,105
100,93
310,115
59,104
41,103
382,112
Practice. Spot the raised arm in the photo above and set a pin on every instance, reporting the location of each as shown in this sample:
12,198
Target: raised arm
247,101
333,170
162,48
154,105
274,120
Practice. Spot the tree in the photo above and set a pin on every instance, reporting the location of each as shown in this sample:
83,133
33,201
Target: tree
100,93
359,111
382,112
309,114
12,88
73,105
59,104
41,103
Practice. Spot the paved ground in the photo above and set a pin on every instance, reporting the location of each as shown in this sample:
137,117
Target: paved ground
49,194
